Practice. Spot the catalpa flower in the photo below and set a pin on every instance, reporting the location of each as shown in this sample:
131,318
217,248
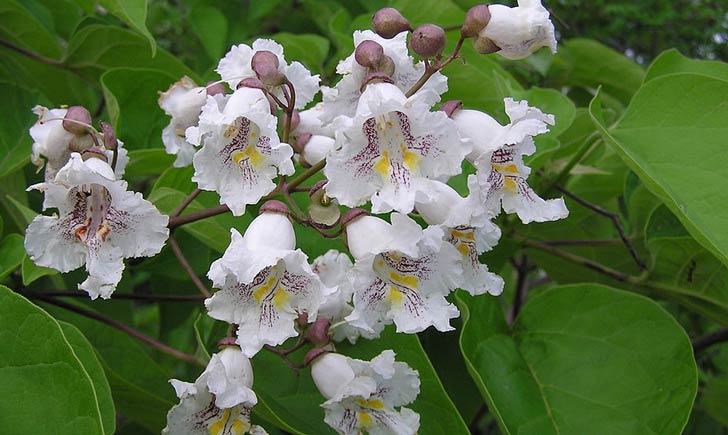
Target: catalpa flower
99,223
362,396
402,275
53,144
341,100
183,101
518,31
265,284
218,402
389,149
468,227
333,269
499,160
241,153
237,66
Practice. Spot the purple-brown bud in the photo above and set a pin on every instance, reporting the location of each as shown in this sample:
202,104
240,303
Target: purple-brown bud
386,66
214,88
227,341
475,21
316,187
94,153
375,77
301,142
318,332
368,54
428,40
251,82
274,206
302,319
76,117
110,141
484,45
389,22
265,64
450,107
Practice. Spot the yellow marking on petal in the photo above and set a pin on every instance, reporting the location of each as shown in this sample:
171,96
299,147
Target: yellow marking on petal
463,235
240,427
365,420
411,159
382,166
510,168
371,403
280,298
409,281
395,296
253,135
217,427
463,249
251,153
263,290
510,185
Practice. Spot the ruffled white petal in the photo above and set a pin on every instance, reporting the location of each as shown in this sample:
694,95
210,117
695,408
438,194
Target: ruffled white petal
229,377
520,31
183,102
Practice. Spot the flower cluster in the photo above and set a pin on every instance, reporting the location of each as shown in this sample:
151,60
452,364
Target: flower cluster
383,140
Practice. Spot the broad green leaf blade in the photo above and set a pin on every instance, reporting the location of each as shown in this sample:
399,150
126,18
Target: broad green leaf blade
15,120
148,162
12,253
589,64
45,387
683,270
131,96
581,359
293,398
673,62
310,50
715,397
210,25
673,137
23,29
31,272
133,13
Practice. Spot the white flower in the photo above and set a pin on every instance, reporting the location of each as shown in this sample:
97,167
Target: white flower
388,150
521,30
53,145
468,228
310,122
241,152
317,149
220,400
265,284
333,268
99,224
183,101
342,99
499,160
363,396
236,66
402,275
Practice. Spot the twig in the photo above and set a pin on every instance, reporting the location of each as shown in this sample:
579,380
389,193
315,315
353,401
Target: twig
32,55
117,296
522,270
124,328
479,414
289,110
578,242
306,175
186,266
615,220
284,357
432,69
578,156
198,215
187,201
709,339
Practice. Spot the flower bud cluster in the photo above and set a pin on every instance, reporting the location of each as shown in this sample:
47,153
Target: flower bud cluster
387,146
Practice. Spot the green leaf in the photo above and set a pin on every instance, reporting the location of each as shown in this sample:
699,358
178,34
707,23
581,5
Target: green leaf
96,48
12,252
673,62
581,359
673,137
31,272
15,119
133,13
148,162
310,50
210,25
589,64
131,97
714,398
45,384
294,399
23,29
683,270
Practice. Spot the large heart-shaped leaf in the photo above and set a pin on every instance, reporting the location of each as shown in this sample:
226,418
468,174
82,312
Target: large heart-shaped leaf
581,359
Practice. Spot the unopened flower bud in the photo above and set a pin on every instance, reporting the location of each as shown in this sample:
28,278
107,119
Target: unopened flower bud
251,82
301,142
450,107
227,341
314,353
76,117
386,66
428,40
389,22
79,143
302,319
475,21
94,153
375,77
330,372
274,206
110,141
318,332
265,64
213,88
368,54
484,45
353,214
